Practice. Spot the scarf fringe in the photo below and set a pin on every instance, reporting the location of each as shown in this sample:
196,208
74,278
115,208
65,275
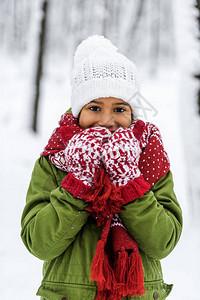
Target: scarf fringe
121,265
129,274
101,272
124,279
135,277
121,269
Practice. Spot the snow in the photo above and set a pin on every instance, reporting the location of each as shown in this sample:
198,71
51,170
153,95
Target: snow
168,91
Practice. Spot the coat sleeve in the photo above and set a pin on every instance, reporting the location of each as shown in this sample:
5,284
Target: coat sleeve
52,217
155,220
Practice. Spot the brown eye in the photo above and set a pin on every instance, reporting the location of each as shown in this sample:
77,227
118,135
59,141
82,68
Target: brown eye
94,108
119,109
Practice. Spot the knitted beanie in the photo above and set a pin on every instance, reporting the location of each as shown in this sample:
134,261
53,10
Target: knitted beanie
100,71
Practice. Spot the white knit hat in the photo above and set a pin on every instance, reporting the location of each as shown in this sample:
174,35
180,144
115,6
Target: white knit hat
100,71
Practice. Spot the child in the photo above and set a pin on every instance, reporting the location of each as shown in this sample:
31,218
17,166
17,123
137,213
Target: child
101,211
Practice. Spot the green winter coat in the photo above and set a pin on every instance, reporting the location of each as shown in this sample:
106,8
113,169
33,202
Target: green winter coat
57,228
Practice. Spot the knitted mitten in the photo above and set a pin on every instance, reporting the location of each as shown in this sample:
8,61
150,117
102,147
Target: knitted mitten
121,156
83,159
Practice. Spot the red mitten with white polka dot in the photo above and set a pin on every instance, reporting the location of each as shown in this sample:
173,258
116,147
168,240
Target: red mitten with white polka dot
83,159
121,156
154,162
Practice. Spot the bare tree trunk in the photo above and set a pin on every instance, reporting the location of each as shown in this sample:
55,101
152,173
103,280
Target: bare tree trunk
198,93
136,20
198,75
133,33
40,60
155,36
105,19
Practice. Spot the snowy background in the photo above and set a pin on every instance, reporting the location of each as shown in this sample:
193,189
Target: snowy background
167,83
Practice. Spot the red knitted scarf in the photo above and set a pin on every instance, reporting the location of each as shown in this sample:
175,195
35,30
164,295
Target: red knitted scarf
116,268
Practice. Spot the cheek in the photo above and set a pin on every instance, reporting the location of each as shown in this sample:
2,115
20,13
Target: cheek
82,121
85,119
124,120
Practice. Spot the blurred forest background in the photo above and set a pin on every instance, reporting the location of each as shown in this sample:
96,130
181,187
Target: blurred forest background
143,30
37,43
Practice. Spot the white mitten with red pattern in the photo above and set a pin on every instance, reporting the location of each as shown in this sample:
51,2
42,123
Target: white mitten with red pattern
121,156
83,153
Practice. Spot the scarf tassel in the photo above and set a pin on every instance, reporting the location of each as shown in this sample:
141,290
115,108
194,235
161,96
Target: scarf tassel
127,278
121,269
101,272
135,277
129,273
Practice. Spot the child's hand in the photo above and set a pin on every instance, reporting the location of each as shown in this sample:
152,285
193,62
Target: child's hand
83,153
121,156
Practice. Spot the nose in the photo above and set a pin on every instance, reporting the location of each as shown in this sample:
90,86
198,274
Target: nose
106,120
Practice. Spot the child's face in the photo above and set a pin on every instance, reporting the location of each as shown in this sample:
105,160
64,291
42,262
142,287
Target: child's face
108,112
